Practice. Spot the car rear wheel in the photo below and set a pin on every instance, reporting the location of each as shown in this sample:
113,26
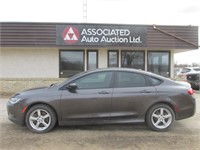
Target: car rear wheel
160,117
40,118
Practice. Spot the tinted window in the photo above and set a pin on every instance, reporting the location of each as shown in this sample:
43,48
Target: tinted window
95,81
71,63
154,81
129,79
132,59
193,77
197,69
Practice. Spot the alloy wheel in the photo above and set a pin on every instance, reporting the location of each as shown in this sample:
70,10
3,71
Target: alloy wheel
40,119
161,118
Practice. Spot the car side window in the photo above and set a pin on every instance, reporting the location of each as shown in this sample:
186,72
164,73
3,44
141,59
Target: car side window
95,81
130,79
154,81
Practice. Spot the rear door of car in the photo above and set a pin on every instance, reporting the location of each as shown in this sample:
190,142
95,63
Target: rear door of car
91,101
132,96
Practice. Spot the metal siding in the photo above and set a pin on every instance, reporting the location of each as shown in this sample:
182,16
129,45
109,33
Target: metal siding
158,39
28,34
44,34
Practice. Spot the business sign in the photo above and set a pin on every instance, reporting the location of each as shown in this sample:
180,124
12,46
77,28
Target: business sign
101,35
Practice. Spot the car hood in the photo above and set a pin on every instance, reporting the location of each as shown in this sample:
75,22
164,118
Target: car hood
30,91
37,88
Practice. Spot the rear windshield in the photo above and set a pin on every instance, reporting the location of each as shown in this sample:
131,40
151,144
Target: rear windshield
197,69
193,77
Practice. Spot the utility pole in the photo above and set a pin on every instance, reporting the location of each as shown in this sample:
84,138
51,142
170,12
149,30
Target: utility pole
84,11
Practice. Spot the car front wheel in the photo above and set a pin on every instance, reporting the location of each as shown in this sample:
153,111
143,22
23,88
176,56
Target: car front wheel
160,117
40,118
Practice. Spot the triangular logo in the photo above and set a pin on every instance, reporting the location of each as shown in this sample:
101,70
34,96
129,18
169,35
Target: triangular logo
70,35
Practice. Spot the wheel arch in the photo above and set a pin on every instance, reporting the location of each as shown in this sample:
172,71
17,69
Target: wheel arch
162,102
40,103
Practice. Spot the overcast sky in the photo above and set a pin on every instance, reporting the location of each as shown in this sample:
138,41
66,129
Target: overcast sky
160,12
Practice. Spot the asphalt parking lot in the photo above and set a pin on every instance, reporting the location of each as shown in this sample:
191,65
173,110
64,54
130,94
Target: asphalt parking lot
185,134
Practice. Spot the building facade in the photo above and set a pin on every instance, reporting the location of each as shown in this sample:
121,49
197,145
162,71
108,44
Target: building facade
34,54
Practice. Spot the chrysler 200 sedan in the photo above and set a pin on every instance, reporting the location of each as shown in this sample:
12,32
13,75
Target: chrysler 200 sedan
104,96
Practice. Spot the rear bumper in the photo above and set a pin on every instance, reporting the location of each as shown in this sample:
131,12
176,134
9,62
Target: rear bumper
187,111
194,85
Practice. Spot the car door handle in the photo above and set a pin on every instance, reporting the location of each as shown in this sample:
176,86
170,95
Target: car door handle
104,92
144,91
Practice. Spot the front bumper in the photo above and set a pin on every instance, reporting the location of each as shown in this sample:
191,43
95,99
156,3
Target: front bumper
15,113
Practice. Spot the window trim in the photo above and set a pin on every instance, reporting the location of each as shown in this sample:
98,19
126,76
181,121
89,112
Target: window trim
143,51
109,55
97,58
68,50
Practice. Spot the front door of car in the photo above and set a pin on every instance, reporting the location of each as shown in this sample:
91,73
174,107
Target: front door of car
90,101
131,96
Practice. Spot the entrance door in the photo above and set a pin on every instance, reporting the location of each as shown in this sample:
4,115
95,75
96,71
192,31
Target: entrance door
159,63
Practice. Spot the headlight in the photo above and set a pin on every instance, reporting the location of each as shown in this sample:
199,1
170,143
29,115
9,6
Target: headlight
14,100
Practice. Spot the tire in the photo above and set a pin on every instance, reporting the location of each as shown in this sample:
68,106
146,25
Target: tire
40,118
160,117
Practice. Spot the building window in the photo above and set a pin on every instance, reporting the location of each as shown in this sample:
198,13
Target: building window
71,62
92,59
132,59
159,63
113,56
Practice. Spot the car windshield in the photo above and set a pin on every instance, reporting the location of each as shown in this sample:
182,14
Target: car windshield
185,70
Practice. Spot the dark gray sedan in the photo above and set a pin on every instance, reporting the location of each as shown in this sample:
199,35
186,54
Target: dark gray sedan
104,96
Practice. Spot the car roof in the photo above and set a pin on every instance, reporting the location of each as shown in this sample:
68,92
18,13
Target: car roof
127,69
191,67
117,69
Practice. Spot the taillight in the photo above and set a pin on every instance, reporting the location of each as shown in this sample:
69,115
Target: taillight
190,91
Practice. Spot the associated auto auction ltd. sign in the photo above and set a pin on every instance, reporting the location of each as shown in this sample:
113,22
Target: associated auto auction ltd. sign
101,35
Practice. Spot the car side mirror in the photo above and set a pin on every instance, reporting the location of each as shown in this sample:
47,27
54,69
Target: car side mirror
72,87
